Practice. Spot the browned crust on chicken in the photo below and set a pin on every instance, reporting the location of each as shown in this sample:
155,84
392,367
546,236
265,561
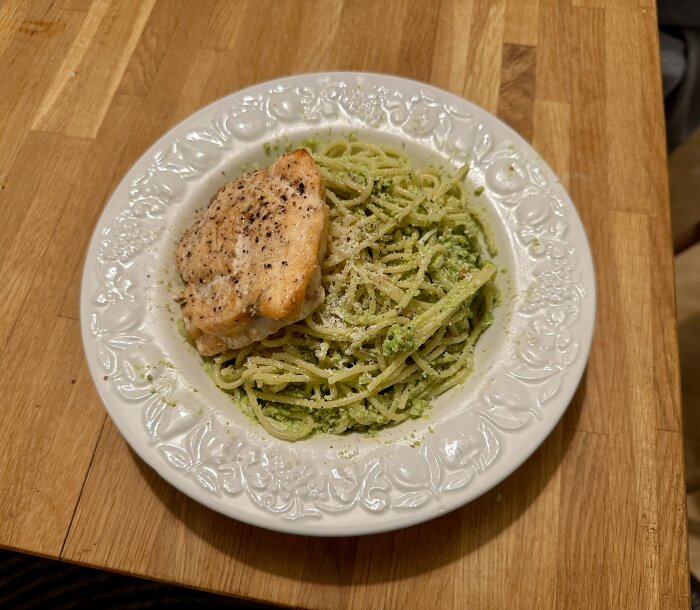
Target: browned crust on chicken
254,251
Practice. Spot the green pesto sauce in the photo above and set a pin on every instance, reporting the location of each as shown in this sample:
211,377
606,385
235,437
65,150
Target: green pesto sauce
399,339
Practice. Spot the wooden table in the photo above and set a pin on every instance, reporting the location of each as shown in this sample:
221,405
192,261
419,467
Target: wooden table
595,519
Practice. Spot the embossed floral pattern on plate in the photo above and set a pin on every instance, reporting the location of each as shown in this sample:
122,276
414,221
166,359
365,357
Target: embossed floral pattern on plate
310,487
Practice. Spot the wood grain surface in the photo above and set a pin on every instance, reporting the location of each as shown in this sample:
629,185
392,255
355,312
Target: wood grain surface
594,519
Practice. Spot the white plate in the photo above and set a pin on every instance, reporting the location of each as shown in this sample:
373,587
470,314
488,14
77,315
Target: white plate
156,392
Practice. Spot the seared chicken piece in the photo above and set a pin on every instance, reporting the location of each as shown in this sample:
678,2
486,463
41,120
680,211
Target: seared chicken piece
251,264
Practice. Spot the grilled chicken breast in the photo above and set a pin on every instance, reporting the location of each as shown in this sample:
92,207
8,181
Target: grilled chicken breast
251,263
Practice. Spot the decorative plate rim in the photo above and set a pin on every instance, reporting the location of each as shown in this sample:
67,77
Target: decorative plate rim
277,485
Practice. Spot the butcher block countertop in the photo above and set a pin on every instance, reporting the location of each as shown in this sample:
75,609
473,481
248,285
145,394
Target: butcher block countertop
594,519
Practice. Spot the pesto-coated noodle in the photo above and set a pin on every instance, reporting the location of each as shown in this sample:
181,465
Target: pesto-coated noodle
408,292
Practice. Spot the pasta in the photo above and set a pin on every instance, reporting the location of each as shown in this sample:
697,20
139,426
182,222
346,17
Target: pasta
409,291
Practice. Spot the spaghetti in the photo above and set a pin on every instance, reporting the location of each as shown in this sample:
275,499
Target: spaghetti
408,293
